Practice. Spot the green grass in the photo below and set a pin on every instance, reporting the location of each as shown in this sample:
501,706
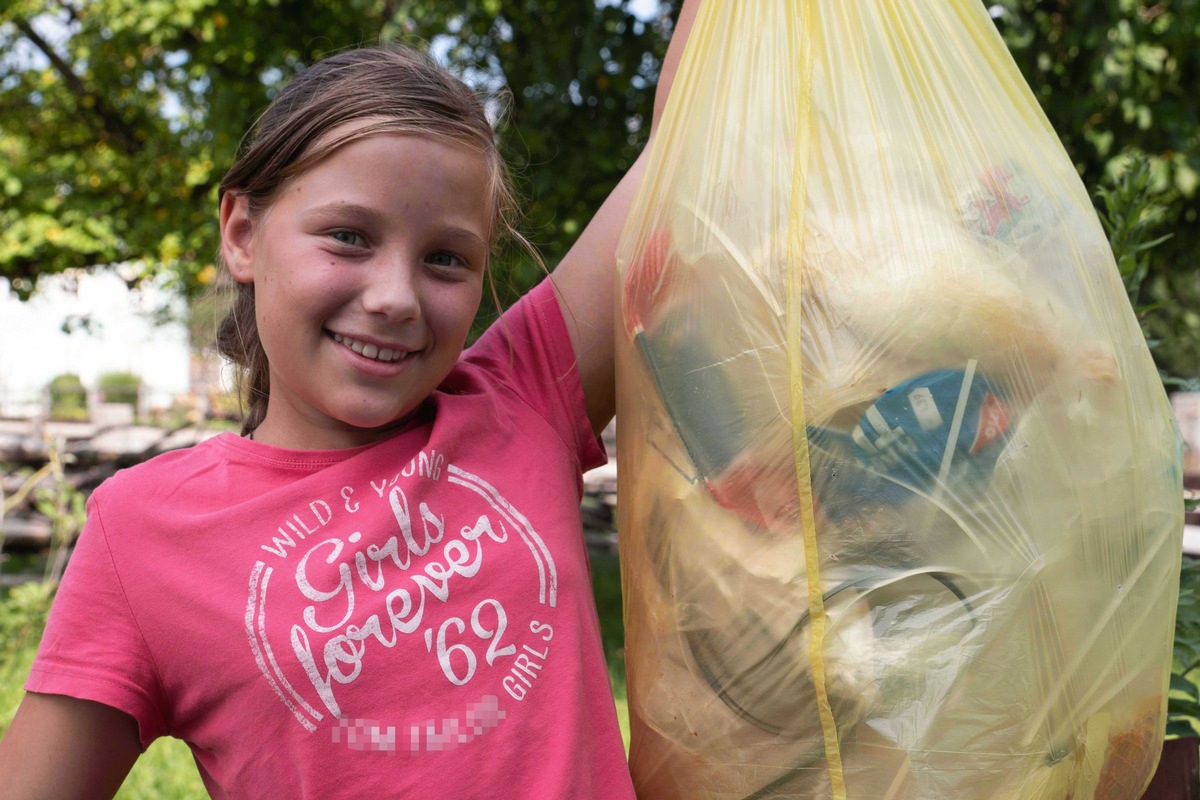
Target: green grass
166,771
22,616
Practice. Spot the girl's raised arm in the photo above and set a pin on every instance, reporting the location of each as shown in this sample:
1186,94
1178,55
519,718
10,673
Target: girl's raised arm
585,277
61,748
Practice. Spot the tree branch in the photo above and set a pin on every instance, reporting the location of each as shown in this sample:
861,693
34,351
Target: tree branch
113,126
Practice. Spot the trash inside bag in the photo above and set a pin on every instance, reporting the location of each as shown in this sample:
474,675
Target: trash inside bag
900,492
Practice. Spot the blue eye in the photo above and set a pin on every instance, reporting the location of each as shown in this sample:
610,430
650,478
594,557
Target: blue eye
442,258
349,238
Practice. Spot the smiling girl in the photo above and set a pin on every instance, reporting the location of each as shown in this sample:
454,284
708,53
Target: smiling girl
381,588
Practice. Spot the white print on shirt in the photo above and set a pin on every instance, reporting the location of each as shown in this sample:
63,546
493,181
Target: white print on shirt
494,633
360,593
427,465
316,517
350,505
343,653
525,670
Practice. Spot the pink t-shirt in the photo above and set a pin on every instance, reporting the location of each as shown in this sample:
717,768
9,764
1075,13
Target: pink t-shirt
408,619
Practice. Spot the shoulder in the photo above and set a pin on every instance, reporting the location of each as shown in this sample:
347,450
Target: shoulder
166,473
528,343
525,371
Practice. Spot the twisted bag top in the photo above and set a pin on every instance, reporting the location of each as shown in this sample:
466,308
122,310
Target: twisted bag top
900,491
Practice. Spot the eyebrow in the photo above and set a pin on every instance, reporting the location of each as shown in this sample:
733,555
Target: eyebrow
457,233
339,208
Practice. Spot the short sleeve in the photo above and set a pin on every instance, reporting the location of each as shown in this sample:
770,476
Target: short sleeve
92,648
530,348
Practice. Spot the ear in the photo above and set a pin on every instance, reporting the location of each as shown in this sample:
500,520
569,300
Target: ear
237,236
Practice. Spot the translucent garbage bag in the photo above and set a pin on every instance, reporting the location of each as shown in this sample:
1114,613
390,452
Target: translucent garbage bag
899,486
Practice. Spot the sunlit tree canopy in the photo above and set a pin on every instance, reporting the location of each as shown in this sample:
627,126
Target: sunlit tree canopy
118,117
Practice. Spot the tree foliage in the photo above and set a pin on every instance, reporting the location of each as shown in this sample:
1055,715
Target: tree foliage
118,117
1120,82
578,101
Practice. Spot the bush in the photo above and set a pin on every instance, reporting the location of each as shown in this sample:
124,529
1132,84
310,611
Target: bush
68,398
1183,704
1132,217
120,387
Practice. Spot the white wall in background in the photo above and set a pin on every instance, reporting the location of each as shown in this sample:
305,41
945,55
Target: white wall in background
33,347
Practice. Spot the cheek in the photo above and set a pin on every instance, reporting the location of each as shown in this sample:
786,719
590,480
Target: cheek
457,310
307,290
473,308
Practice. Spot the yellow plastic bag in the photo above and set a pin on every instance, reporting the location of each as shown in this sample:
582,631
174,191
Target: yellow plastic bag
899,492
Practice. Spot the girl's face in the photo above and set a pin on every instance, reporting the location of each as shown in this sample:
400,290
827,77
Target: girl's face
367,271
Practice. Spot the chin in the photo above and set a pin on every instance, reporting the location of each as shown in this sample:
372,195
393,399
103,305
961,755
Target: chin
380,421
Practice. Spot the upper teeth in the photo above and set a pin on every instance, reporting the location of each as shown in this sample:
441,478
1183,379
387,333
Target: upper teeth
369,350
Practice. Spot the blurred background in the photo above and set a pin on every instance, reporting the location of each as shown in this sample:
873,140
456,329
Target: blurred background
118,119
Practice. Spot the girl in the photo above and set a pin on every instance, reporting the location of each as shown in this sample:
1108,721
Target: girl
382,589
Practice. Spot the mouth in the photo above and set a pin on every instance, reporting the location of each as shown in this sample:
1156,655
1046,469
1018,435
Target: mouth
384,355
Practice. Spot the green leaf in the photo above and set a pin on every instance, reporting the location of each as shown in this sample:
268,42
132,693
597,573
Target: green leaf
1179,728
1185,686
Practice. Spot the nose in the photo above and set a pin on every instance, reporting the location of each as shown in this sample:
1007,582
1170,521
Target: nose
392,290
